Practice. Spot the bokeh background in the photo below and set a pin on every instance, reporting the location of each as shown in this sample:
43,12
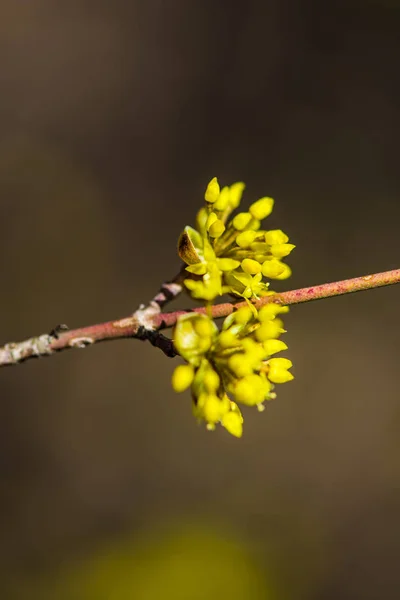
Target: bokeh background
113,117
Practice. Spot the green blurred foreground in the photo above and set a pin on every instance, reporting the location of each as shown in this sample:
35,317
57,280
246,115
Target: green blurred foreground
181,562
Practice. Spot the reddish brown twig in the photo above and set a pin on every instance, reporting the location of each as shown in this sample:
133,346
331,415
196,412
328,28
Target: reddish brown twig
147,321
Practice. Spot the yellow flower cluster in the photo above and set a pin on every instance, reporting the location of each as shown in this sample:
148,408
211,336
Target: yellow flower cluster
232,366
232,255
235,365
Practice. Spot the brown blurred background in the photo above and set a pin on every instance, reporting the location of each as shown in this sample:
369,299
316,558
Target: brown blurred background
113,117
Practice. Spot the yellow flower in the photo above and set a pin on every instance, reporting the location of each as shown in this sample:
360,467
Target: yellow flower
278,370
225,255
230,366
232,255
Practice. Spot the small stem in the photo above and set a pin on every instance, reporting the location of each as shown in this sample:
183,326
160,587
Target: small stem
169,290
146,322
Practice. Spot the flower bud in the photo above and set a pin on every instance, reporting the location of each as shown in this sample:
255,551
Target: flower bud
236,192
227,339
272,346
241,221
182,377
233,423
223,200
281,250
252,390
228,264
278,370
201,218
275,236
269,330
211,380
246,238
272,268
262,208
269,311
212,191
251,266
203,327
243,315
212,217
240,365
212,409
216,229
287,271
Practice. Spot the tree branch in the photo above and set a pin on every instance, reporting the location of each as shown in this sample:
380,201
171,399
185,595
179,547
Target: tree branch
169,290
146,322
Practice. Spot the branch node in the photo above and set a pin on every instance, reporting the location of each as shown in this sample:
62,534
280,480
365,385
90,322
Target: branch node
80,342
57,330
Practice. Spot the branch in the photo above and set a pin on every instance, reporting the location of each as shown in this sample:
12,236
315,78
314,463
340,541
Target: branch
146,322
169,290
